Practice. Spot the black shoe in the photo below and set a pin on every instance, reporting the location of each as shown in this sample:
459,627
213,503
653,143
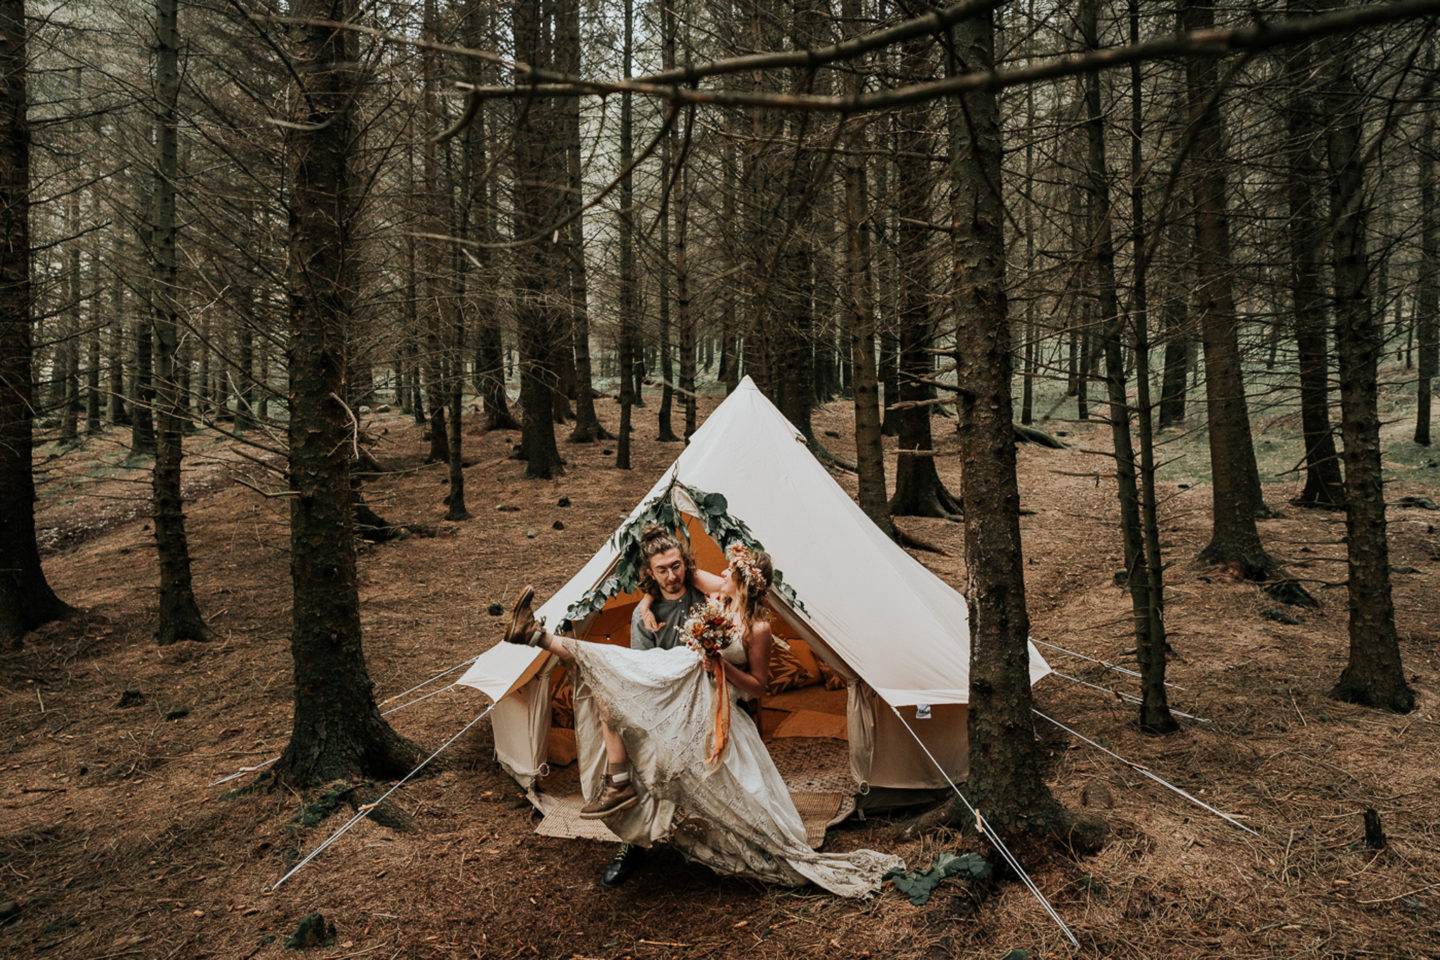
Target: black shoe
626,862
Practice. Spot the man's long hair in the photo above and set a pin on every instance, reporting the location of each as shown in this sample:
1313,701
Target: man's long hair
655,540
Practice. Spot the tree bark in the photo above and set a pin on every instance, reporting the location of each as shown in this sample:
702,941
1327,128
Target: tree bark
918,489
869,450
1235,478
587,424
179,614
489,372
1005,780
26,600
1154,703
435,302
538,204
1323,484
1427,305
1374,676
337,729
1155,711
627,344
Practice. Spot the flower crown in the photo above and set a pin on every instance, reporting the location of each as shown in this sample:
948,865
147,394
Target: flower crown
741,560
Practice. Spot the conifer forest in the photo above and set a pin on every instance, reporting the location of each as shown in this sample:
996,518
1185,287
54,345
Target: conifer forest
326,326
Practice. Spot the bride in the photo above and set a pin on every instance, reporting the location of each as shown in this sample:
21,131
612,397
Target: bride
687,769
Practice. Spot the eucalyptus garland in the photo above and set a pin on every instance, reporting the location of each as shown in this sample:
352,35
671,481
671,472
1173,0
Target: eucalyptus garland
713,512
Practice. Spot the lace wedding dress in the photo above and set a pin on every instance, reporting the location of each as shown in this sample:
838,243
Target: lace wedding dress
737,816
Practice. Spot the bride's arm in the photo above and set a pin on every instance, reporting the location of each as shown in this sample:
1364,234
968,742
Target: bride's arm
753,684
707,582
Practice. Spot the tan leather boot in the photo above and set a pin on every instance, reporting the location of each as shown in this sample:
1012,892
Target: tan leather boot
523,627
612,799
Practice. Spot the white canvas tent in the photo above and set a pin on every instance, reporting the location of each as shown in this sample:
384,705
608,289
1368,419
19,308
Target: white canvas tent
892,632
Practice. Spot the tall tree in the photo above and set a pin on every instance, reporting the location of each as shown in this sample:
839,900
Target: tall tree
587,424
337,729
1323,485
1374,676
627,338
26,600
1155,713
1005,778
918,488
489,369
435,303
1152,647
869,449
1427,297
538,205
179,614
1235,478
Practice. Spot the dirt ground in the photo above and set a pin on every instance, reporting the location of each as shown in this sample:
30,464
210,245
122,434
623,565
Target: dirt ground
114,844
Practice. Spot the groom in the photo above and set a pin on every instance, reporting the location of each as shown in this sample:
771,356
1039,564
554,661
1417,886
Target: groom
672,596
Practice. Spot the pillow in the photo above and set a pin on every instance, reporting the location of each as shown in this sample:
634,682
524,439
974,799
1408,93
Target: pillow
813,723
790,669
831,679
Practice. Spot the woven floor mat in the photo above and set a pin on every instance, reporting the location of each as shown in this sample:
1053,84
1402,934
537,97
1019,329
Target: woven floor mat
819,810
813,764
564,820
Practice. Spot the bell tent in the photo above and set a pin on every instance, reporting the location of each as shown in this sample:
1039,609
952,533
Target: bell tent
872,653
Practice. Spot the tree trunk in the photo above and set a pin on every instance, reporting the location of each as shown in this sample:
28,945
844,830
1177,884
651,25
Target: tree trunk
179,615
587,424
435,303
1155,714
489,370
26,600
1176,363
142,385
92,350
1323,484
869,451
1154,703
70,347
918,490
729,373
538,203
1427,303
1006,780
1235,479
1374,676
665,433
627,255
337,729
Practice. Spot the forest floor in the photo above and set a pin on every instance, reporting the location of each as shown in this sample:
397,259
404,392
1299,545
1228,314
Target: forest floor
113,843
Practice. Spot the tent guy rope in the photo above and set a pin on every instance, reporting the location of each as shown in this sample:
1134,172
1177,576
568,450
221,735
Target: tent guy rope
1142,771
1121,694
409,703
364,811
990,834
1104,663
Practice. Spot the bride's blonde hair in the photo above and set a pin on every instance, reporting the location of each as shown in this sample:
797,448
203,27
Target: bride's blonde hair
756,572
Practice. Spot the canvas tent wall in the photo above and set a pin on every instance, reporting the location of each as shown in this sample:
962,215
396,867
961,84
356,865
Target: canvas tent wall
895,633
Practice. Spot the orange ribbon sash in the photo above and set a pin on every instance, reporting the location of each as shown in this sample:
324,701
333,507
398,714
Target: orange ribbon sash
721,735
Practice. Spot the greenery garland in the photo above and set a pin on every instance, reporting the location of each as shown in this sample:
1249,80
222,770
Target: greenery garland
712,510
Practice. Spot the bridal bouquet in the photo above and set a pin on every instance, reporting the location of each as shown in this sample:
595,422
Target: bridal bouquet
709,630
